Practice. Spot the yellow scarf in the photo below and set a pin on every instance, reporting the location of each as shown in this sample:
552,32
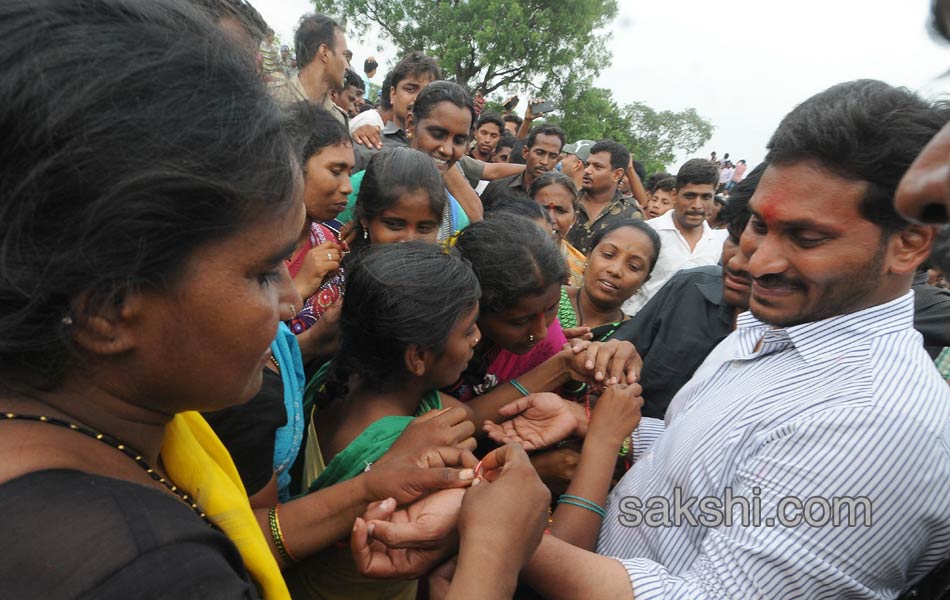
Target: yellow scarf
198,462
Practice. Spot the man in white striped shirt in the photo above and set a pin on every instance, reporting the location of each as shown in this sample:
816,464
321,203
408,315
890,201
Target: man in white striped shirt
821,418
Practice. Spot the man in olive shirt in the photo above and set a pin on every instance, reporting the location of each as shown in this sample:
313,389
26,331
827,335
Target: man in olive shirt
601,203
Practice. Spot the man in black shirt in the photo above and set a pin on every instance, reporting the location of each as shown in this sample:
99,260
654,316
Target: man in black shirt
541,152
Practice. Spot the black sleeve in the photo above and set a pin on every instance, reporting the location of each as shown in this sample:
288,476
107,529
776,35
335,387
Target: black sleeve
932,317
247,431
69,535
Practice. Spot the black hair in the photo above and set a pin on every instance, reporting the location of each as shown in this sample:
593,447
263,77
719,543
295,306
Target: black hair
392,172
862,130
385,99
352,79
619,155
939,22
517,152
736,212
554,178
438,92
650,183
520,205
667,184
506,140
698,171
368,65
116,171
552,130
396,296
311,129
415,64
512,258
633,224
940,254
239,10
497,195
512,118
490,117
313,31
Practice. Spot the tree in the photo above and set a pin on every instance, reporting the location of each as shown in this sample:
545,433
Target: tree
492,44
653,137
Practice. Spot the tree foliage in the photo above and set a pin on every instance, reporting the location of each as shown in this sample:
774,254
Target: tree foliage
492,44
653,137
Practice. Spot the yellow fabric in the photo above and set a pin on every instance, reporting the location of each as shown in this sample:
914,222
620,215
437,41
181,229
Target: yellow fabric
199,464
575,262
313,463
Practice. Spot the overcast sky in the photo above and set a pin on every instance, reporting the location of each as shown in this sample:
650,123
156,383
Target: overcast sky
743,64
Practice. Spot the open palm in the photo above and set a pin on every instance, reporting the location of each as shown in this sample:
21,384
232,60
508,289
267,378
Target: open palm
539,420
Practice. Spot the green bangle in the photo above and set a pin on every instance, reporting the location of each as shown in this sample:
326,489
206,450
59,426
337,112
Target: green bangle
582,503
524,391
600,513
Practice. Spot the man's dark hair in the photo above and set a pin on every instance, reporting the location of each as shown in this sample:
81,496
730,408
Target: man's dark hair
147,159
313,31
311,129
385,100
940,19
552,130
506,140
619,155
520,205
667,184
517,156
490,117
736,212
512,118
640,170
368,65
414,64
650,183
697,171
862,130
352,79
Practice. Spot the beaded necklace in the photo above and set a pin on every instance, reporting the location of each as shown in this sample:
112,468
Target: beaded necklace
121,447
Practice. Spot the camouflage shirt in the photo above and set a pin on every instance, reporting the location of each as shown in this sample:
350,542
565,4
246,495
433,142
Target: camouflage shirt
583,230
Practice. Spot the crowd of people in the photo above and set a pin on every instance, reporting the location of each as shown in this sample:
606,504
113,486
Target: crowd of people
263,336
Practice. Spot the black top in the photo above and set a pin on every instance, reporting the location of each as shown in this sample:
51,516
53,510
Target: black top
931,314
68,534
675,332
248,432
390,135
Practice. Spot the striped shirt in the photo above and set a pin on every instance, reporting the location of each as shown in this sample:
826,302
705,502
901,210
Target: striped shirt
848,407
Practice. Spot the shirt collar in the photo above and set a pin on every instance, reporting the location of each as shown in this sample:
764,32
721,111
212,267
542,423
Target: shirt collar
810,338
390,128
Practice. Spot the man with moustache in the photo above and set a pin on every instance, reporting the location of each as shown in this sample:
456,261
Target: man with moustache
687,239
823,393
601,203
693,312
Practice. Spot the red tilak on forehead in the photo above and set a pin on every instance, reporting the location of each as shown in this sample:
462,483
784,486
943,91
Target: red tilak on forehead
770,206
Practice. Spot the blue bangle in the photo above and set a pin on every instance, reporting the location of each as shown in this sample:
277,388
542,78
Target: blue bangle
519,387
594,509
593,506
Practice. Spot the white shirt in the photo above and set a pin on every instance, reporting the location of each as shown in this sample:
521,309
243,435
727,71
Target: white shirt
367,117
848,407
675,254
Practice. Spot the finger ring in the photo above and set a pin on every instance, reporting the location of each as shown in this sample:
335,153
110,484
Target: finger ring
531,338
329,256
293,309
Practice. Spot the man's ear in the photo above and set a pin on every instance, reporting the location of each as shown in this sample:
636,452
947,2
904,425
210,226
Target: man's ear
910,247
105,325
618,175
524,152
416,360
410,124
